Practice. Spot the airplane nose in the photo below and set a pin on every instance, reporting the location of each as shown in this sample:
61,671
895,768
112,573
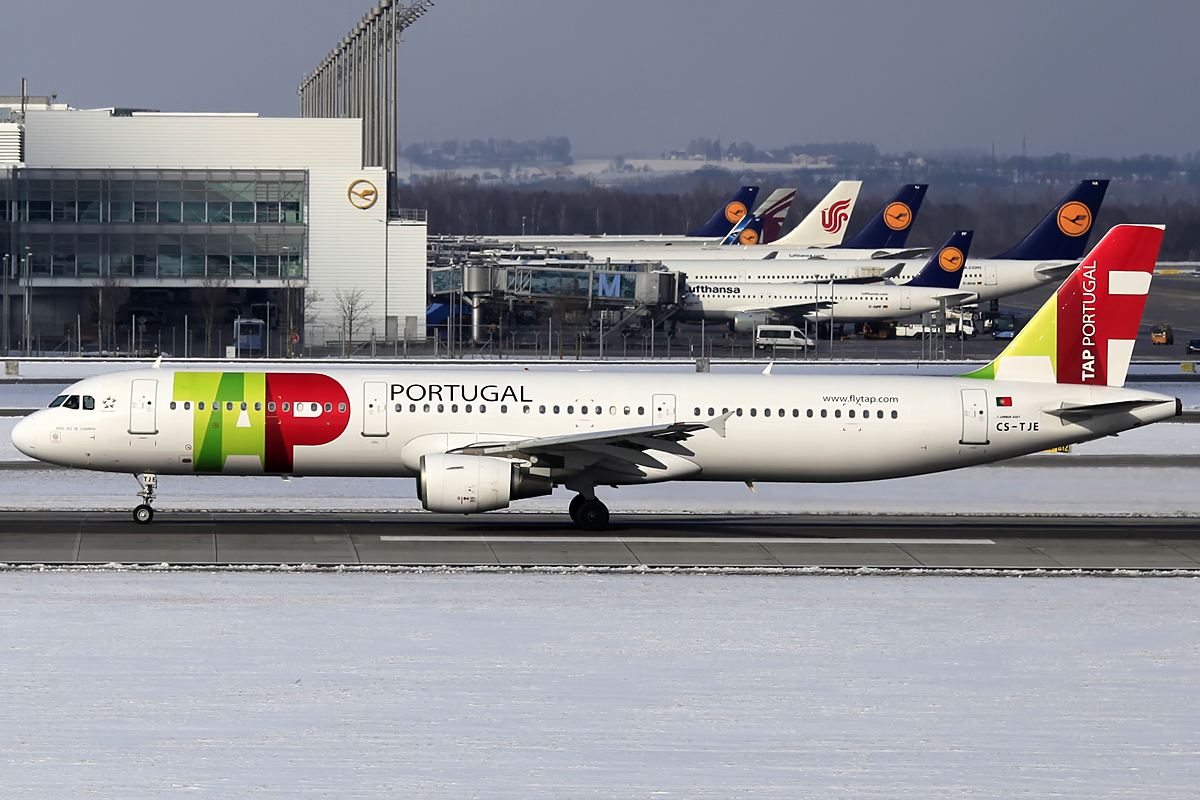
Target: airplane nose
23,437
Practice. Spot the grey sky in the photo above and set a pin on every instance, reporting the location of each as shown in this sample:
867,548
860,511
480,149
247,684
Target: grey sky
1104,77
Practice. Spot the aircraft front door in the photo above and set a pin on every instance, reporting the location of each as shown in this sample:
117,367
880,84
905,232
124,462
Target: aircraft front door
975,416
664,409
375,404
143,400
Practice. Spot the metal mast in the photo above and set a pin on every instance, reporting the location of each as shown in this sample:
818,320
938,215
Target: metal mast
359,76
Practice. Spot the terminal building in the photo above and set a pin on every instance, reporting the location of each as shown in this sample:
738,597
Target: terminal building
280,213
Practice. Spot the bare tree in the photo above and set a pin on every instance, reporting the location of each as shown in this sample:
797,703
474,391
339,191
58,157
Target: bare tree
352,309
210,295
108,294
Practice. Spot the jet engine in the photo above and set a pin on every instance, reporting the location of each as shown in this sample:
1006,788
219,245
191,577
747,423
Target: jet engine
457,484
746,323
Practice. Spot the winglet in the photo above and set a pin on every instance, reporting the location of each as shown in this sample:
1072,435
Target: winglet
157,363
767,371
718,423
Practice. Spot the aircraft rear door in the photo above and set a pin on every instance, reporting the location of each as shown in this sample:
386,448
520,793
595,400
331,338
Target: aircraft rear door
974,417
905,298
664,409
142,407
375,403
989,275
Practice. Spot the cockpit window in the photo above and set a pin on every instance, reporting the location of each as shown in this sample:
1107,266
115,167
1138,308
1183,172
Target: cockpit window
58,401
72,402
89,403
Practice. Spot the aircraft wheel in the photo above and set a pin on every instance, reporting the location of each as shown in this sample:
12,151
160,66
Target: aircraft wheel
143,514
576,502
592,515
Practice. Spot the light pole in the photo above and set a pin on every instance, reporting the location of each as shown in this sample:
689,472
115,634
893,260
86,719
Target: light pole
28,302
7,267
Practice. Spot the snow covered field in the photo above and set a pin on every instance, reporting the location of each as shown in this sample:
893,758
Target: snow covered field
148,685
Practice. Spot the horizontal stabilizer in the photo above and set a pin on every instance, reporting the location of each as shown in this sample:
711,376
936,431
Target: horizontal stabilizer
1074,412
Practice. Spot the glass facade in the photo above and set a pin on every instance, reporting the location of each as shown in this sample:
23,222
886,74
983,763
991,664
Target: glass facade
185,224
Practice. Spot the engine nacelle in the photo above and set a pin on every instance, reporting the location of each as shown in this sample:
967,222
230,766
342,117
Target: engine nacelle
746,323
456,484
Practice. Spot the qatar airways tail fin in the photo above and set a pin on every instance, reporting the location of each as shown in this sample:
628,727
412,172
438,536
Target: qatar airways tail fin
772,212
730,214
890,227
1062,235
825,225
1084,334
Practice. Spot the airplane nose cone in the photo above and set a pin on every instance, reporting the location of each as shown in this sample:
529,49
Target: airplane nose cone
23,437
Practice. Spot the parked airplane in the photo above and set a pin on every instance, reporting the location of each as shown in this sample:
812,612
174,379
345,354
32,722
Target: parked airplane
1047,253
476,440
748,305
764,221
825,225
883,237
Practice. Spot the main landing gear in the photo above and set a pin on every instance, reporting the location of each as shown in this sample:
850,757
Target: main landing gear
143,514
588,513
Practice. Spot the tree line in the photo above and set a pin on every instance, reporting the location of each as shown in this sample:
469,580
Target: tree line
469,207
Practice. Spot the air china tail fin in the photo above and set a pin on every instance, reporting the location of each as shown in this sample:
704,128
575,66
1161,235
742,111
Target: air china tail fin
825,225
944,268
1084,334
890,227
731,213
772,212
1062,235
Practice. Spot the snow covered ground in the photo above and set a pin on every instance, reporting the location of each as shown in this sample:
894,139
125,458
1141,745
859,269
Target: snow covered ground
149,685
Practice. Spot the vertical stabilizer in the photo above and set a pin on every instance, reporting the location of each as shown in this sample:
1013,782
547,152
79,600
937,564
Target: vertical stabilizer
772,213
1062,235
1085,332
944,268
889,228
730,214
825,225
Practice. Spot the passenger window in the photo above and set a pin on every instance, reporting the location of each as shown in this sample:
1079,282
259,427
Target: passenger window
556,409
200,405
894,415
482,408
58,401
412,407
599,411
851,413
739,412
441,408
427,408
837,413
724,410
754,412
244,406
612,410
454,408
286,406
314,407
766,412
796,412
781,412
187,405
228,406
711,411
525,409
627,411
571,409
469,408
89,403
697,412
641,411
809,413
329,406
541,409
271,407
172,405
503,409
879,414
824,413
399,407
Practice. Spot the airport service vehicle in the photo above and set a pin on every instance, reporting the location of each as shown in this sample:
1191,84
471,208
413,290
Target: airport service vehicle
477,440
749,305
781,336
1162,333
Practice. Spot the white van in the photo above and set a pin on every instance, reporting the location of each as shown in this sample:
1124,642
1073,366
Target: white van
781,336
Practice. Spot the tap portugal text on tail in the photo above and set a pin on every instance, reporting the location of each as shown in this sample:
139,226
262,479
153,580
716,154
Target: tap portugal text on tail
477,440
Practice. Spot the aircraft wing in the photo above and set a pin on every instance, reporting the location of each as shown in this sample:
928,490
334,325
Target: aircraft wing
790,306
953,297
904,254
617,450
1056,270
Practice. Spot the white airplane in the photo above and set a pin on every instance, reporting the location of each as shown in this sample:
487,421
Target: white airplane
750,304
1047,253
476,440
884,236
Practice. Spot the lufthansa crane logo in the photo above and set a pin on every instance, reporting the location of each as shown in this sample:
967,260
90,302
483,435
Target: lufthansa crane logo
735,211
897,216
1074,219
748,236
950,259
362,194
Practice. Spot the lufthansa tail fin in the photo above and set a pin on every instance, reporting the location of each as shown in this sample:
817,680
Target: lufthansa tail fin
825,225
1084,334
1062,235
890,227
730,214
772,212
944,268
748,231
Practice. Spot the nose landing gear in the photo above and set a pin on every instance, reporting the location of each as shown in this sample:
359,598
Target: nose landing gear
588,513
143,513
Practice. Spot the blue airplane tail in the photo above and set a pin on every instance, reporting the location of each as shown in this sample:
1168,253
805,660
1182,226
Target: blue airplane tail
944,268
890,227
748,231
730,214
1063,234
